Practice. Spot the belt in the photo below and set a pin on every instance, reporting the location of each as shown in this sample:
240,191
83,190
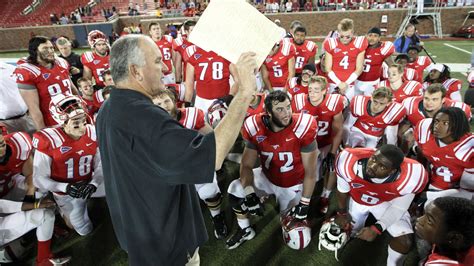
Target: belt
14,117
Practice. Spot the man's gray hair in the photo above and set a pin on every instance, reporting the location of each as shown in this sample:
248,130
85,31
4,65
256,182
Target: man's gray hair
125,52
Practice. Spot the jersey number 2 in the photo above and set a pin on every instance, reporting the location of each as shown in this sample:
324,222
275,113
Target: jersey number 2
286,157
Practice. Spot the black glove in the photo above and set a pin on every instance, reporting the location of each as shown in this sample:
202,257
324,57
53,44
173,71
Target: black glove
74,190
87,190
300,211
253,204
187,104
328,164
227,99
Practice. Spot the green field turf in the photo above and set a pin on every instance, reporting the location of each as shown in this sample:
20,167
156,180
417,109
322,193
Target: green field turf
267,248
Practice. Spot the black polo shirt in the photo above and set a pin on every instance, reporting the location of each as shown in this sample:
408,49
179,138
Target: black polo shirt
74,60
150,164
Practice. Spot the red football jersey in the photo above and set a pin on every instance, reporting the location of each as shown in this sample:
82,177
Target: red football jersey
451,85
97,64
19,149
374,58
447,162
191,118
416,112
419,66
344,57
280,152
412,178
320,72
296,88
211,73
303,53
165,46
277,64
179,45
260,108
324,113
72,160
99,99
48,83
375,125
409,88
91,105
408,73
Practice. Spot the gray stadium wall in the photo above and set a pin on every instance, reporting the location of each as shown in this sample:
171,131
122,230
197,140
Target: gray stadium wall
318,24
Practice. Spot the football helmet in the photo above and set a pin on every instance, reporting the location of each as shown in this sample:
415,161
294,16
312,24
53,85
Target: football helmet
96,36
63,107
332,237
216,112
296,232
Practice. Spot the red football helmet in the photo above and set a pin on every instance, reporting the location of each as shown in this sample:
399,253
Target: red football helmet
216,112
63,107
96,36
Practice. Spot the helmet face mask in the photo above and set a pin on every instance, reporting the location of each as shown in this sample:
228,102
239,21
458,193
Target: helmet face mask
70,112
216,112
97,37
332,237
296,233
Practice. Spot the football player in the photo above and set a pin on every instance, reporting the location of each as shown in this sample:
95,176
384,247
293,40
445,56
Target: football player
97,60
208,74
67,162
372,117
179,49
41,77
305,50
87,95
279,66
321,67
287,148
327,110
440,73
299,84
193,118
381,182
376,54
447,226
107,78
344,58
257,105
446,143
401,88
408,73
417,62
20,211
164,42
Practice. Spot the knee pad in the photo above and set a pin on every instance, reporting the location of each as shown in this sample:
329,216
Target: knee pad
39,216
214,202
237,204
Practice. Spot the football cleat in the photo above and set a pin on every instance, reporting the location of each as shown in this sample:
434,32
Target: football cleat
296,232
220,228
240,237
332,237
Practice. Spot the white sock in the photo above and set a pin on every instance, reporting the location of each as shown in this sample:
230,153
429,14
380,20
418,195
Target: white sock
394,258
326,193
215,212
243,223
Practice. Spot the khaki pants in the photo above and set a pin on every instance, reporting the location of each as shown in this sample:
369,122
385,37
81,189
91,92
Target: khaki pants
24,124
194,260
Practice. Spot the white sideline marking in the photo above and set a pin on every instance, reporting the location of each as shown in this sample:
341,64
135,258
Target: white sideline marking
457,48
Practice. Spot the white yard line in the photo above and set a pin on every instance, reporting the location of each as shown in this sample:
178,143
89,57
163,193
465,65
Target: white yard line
457,48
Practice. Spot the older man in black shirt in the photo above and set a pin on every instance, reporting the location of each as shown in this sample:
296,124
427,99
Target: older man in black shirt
65,49
151,162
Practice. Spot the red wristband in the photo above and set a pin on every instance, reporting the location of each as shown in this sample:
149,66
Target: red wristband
375,229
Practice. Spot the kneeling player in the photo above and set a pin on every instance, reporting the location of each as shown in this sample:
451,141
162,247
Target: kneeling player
382,183
67,161
286,145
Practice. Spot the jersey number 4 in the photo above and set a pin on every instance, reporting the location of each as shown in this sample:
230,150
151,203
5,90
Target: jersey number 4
286,157
344,62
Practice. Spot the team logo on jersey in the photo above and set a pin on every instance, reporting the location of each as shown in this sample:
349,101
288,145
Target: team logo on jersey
260,138
46,75
357,185
80,152
64,149
197,56
96,62
296,89
337,50
275,146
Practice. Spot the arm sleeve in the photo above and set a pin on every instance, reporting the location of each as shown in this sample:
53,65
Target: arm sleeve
8,206
97,176
342,185
42,173
398,207
397,44
182,156
391,133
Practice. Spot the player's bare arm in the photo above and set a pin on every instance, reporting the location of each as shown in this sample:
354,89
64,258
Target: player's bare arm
31,99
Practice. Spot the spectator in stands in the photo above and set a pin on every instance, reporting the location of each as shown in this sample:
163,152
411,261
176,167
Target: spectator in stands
288,6
409,37
78,16
72,18
308,6
76,68
64,20
295,6
137,9
114,9
54,19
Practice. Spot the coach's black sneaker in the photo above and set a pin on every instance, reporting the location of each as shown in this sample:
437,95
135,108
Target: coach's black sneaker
240,237
220,229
